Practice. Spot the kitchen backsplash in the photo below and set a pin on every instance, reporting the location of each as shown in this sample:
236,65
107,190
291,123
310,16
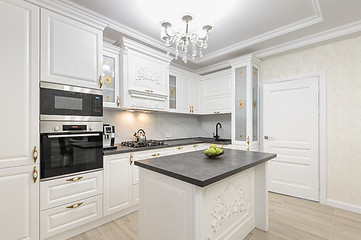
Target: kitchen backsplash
156,125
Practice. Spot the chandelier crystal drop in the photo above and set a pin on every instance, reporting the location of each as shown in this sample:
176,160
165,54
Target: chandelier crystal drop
181,41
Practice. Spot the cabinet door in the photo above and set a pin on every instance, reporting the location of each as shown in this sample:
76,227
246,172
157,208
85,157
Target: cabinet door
71,52
183,104
117,191
19,91
194,95
110,79
19,203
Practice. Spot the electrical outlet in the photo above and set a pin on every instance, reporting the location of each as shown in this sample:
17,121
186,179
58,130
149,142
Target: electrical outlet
169,135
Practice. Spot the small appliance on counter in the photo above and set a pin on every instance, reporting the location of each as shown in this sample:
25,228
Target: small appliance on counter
108,137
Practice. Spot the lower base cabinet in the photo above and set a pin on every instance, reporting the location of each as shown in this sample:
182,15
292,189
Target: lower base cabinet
117,183
63,218
19,201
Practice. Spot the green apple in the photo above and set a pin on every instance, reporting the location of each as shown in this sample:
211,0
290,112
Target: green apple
218,150
212,151
213,146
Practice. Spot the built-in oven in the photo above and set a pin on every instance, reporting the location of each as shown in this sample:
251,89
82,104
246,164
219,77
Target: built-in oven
69,103
70,147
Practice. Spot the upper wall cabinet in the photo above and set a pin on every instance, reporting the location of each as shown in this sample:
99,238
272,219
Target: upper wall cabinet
111,98
71,51
245,112
217,92
145,79
184,92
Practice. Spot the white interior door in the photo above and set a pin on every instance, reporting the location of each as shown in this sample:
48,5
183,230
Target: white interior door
291,126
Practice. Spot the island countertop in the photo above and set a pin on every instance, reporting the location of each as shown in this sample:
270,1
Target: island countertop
197,169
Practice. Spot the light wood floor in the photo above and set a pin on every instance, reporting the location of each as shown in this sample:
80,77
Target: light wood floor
289,219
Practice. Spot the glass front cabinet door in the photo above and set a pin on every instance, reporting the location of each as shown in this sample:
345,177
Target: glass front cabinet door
245,114
111,76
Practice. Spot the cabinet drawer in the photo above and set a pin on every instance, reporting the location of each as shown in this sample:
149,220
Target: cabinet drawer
71,215
153,153
68,189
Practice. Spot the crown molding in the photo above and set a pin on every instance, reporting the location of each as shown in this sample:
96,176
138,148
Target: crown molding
317,18
63,8
216,74
111,48
174,69
139,47
212,68
312,39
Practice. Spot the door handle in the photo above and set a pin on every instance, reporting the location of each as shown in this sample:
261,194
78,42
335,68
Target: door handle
268,137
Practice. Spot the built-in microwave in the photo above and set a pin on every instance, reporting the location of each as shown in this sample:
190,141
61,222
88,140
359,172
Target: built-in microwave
69,103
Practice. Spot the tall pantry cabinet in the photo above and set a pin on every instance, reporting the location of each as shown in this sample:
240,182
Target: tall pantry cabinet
19,142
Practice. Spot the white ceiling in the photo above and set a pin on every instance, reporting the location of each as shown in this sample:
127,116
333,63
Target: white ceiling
240,26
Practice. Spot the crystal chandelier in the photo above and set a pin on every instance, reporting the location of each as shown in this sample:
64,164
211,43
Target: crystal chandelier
182,40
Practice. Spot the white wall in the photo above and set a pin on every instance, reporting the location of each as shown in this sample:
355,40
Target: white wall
156,125
342,62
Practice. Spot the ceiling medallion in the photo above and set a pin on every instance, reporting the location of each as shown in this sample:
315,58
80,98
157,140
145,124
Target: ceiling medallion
182,40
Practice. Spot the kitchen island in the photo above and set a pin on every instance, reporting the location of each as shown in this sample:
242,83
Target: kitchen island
190,197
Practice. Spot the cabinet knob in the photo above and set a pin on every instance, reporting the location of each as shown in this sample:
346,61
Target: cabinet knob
35,174
179,147
149,90
35,154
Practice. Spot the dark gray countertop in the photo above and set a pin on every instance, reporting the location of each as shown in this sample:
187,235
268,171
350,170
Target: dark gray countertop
168,143
197,169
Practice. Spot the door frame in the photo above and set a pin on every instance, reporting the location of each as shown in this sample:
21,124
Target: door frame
322,121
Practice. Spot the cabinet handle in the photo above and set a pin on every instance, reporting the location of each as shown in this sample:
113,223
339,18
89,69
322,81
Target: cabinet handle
196,145
248,149
35,174
118,101
131,159
75,205
248,140
192,109
179,147
35,154
217,112
74,179
155,154
100,81
149,90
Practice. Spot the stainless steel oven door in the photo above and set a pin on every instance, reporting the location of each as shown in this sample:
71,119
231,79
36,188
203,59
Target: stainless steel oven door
70,152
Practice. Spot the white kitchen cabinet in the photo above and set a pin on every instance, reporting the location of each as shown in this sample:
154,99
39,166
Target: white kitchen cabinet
217,92
118,183
145,74
187,92
69,189
66,217
245,110
19,93
71,51
19,201
111,81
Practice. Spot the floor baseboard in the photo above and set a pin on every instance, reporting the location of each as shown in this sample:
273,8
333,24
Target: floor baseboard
344,206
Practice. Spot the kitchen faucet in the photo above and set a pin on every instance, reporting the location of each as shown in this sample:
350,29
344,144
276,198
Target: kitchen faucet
217,136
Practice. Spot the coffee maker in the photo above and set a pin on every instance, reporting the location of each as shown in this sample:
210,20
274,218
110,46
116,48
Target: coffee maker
108,137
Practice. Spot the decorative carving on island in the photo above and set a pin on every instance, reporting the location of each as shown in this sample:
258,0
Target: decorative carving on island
148,74
229,202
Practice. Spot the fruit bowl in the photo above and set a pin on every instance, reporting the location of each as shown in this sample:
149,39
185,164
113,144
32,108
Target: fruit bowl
213,155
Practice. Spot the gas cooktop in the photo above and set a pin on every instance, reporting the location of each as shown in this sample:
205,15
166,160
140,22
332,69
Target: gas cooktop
147,143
